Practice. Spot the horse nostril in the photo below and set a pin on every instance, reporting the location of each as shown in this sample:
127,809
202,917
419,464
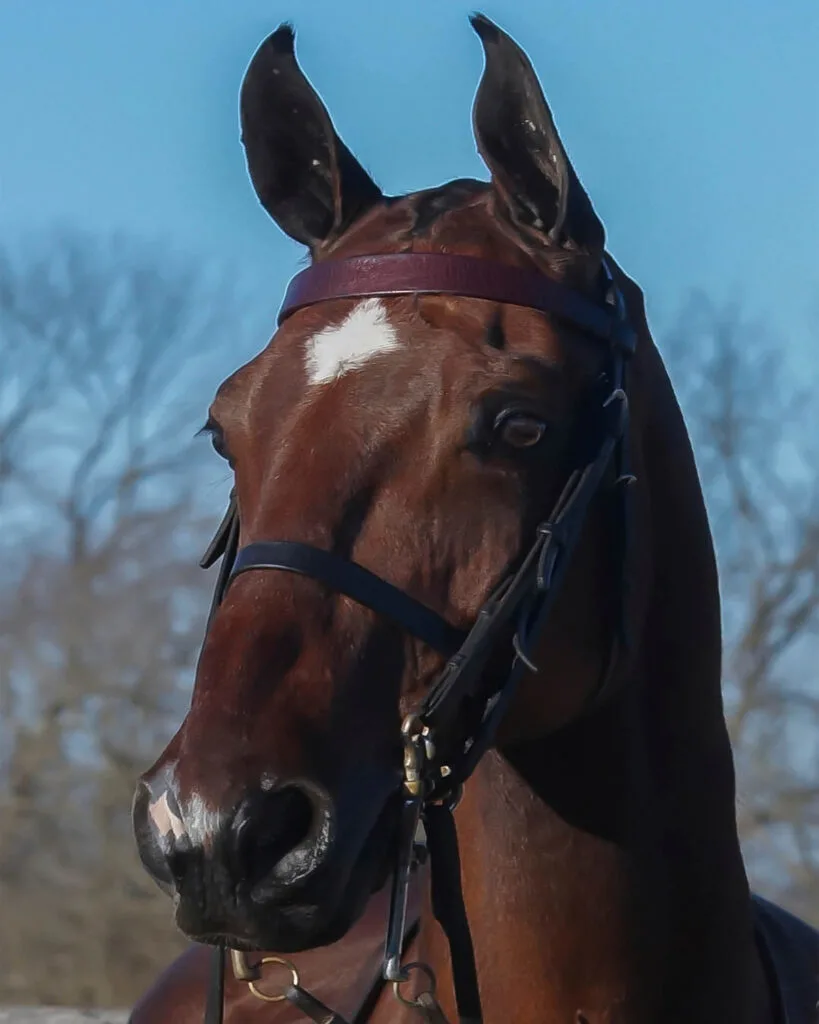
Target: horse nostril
269,827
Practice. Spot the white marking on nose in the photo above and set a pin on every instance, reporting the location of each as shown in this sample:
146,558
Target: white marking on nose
202,822
165,819
365,333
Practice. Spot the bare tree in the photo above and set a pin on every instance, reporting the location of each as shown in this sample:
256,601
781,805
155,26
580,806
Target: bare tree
755,434
106,373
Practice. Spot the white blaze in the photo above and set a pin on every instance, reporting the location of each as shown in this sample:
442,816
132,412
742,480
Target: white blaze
365,333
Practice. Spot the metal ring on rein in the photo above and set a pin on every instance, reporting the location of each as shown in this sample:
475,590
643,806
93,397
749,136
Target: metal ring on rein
417,966
294,979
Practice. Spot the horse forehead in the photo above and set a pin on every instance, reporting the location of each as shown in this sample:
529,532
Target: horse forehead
365,334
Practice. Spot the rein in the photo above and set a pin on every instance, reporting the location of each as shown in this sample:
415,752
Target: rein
456,723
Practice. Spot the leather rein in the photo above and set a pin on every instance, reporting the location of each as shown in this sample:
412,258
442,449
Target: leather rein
456,722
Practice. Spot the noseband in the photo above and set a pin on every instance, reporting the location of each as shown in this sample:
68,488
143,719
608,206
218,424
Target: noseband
457,720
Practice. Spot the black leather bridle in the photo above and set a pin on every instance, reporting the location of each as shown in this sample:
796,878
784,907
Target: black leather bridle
457,720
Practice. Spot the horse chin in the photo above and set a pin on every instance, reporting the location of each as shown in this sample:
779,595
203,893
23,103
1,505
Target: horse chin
297,927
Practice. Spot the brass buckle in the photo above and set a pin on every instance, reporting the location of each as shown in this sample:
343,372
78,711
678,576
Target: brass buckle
243,969
418,750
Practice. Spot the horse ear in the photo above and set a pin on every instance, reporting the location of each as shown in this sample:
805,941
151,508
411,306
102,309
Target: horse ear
304,175
517,138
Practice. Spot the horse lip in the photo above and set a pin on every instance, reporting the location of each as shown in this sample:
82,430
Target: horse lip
244,945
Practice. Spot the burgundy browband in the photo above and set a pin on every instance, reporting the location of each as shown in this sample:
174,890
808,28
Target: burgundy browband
410,273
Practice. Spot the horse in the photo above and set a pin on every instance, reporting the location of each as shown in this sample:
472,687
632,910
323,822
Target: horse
461,681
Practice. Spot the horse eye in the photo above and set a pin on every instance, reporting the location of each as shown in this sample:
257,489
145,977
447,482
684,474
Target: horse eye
520,430
217,439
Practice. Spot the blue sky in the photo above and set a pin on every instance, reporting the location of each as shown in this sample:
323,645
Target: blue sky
693,125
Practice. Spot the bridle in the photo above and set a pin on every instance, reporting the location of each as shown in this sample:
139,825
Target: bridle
456,722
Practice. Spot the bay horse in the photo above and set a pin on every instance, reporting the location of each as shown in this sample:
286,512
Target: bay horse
461,681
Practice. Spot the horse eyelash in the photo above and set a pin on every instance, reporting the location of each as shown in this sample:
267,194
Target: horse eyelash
208,427
212,429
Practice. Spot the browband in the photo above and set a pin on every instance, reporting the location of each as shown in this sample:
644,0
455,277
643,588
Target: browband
411,273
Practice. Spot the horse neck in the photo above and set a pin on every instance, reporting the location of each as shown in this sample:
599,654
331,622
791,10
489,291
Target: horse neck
601,867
